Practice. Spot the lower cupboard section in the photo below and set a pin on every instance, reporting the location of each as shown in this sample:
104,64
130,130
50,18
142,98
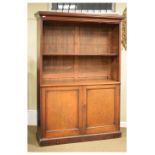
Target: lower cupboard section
78,113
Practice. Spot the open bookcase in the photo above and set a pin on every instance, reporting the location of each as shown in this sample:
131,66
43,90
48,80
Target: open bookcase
80,51
75,52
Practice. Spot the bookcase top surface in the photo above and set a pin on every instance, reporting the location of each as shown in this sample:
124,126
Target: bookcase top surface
49,15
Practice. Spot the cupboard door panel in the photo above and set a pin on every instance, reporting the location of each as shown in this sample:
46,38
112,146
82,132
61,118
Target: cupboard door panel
62,108
101,112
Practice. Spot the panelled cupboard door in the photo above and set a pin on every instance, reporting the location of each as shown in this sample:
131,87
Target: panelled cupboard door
61,111
102,109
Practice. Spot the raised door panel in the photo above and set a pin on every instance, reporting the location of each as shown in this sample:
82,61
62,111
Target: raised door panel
61,111
102,109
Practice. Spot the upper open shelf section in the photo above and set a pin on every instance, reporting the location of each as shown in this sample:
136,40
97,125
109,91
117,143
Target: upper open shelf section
69,34
77,47
80,39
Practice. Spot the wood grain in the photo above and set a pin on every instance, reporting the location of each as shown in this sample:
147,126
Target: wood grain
101,102
61,111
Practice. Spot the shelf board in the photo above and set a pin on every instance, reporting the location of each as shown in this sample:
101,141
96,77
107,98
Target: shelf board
96,54
63,82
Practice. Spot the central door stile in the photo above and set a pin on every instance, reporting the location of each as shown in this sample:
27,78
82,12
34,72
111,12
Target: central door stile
83,109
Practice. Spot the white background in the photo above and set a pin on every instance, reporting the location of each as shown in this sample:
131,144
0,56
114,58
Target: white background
140,77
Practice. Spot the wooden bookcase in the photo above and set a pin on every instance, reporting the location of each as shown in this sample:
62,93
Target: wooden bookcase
78,77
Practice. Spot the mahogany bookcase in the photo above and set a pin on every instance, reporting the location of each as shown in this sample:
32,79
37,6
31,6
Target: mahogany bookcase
78,77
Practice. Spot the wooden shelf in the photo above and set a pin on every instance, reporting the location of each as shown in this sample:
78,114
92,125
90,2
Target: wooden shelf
95,54
74,82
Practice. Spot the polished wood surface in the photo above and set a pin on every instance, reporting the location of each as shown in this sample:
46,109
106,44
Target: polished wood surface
78,82
78,77
78,17
101,102
62,111
74,139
